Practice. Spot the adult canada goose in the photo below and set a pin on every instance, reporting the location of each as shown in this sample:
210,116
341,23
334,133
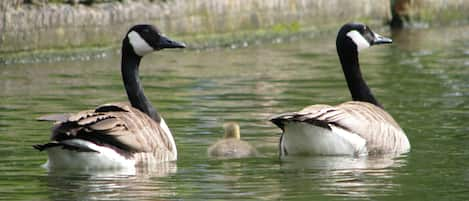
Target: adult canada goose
116,135
231,146
357,127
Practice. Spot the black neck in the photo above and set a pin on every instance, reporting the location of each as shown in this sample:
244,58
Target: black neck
133,87
351,67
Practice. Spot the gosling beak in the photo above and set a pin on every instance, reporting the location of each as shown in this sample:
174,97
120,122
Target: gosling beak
380,39
165,42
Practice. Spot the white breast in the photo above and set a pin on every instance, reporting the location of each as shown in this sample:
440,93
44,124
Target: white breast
165,128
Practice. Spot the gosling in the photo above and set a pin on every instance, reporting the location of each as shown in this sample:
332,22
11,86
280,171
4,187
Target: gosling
231,146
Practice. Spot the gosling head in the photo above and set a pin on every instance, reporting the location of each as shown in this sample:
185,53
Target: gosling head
359,36
145,38
231,130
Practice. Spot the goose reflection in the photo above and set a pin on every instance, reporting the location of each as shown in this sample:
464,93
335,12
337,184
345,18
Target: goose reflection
348,176
144,183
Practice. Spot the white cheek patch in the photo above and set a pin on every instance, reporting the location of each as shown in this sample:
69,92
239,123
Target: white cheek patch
140,46
358,39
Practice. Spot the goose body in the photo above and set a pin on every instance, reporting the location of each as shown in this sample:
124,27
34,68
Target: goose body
357,127
116,135
231,146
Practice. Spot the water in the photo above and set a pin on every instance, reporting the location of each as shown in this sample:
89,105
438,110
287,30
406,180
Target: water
422,80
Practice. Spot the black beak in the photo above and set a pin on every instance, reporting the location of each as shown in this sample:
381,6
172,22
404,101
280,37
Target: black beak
165,42
380,39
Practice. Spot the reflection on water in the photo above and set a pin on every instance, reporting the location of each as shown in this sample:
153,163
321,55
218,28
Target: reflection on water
350,176
421,80
343,162
154,170
109,185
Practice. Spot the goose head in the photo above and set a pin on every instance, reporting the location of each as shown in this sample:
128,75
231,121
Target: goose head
358,37
231,130
145,38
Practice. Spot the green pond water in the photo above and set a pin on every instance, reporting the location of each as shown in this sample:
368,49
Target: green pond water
422,79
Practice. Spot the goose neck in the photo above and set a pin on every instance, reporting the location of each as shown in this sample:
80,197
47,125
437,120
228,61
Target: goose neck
133,87
355,82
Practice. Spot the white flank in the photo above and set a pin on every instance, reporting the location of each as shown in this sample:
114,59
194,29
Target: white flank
358,39
170,137
107,158
140,46
306,139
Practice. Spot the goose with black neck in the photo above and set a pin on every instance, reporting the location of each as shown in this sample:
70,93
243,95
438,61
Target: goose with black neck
358,127
116,135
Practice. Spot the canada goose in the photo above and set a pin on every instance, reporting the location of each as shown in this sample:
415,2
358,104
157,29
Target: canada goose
116,135
231,146
357,127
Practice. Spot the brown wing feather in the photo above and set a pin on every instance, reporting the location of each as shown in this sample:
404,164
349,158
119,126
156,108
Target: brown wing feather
117,125
372,123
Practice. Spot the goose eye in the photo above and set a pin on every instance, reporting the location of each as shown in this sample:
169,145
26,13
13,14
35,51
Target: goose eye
364,30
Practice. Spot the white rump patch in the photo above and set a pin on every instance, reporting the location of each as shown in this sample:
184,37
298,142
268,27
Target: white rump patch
358,39
141,47
306,139
104,158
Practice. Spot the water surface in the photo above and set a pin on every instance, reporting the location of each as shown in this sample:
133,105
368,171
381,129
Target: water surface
422,80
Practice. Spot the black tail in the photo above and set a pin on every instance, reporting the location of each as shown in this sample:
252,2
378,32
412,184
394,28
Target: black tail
278,122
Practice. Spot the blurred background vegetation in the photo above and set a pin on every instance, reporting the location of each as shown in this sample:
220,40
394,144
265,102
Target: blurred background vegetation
35,27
